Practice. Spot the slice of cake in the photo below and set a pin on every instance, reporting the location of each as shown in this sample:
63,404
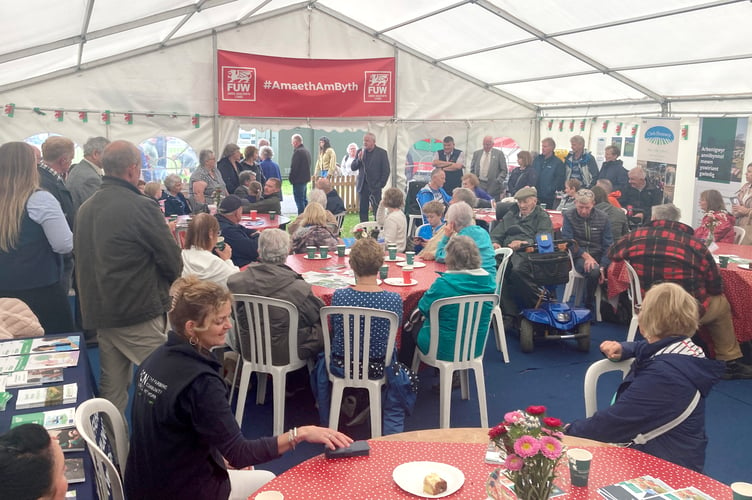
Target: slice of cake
433,484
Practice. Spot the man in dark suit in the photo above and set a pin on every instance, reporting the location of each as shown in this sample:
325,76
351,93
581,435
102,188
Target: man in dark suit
490,165
57,155
372,164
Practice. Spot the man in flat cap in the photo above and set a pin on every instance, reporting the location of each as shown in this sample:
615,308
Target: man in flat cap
518,227
244,241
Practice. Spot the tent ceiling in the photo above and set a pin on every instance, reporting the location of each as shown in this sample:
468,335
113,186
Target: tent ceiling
544,54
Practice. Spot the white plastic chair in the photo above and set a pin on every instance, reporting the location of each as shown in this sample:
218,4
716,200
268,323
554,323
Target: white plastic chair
739,234
340,217
256,352
413,224
357,346
591,380
497,318
466,340
576,286
109,476
635,296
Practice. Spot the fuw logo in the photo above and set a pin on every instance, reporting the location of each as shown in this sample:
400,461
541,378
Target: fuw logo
238,84
378,87
659,135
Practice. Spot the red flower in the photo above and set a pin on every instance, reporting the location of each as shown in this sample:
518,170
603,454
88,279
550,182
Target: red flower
497,431
536,410
552,422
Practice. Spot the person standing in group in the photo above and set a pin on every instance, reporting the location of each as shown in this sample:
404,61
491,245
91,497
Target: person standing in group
250,164
33,236
452,161
345,167
127,261
580,164
85,177
327,162
300,172
269,167
524,175
229,166
490,166
372,164
551,173
204,182
613,169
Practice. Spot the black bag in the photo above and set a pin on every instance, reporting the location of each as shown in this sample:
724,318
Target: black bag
414,322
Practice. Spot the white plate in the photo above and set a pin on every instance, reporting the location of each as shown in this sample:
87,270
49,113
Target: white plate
745,266
400,282
396,259
416,264
410,477
319,257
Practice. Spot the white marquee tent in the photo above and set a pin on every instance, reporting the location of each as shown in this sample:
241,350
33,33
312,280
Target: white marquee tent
464,67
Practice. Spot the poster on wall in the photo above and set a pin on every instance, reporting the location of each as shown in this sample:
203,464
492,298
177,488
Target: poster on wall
628,147
617,141
720,160
657,152
265,86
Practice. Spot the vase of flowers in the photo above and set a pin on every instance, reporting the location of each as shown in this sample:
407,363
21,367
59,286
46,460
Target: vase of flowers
362,232
533,447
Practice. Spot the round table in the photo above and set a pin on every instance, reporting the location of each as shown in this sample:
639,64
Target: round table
370,477
264,222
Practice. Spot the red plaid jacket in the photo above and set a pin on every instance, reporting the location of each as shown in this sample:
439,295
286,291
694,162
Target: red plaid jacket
667,251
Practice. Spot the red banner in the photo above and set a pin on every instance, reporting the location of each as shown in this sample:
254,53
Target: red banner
252,85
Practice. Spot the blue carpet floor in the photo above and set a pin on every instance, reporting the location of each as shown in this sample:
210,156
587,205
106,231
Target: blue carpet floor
553,376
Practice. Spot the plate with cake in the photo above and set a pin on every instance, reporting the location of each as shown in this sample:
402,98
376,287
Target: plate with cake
428,479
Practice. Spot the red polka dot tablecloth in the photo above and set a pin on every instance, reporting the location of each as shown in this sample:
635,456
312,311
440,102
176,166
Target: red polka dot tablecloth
737,287
371,477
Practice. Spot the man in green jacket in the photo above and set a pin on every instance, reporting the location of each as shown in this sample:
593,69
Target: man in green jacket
126,261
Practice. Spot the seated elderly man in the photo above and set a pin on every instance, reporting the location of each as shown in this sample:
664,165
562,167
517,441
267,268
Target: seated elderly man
518,227
666,250
591,229
334,202
641,195
433,191
271,277
460,219
243,241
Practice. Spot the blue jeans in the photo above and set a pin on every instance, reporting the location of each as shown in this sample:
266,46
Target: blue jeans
299,192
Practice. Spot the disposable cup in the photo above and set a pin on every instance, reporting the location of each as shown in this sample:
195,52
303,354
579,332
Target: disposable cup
311,252
324,251
254,214
723,260
272,215
407,274
579,466
392,252
410,258
221,243
742,491
384,272
340,250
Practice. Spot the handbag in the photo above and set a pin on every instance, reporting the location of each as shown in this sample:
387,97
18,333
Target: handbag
414,322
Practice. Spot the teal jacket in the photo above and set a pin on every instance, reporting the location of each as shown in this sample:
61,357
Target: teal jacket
487,253
453,284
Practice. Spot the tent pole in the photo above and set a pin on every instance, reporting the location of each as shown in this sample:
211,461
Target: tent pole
215,117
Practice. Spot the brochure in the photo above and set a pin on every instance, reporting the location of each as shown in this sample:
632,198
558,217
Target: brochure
648,487
39,361
74,470
39,345
47,396
52,419
68,438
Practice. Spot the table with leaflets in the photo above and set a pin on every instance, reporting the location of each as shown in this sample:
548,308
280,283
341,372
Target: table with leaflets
29,368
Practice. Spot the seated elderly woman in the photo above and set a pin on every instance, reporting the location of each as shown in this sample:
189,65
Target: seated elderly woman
314,230
391,217
184,435
271,277
460,220
668,373
464,276
175,201
32,466
715,218
316,196
366,256
203,255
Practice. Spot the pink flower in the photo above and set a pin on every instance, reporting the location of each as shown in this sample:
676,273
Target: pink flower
513,462
526,446
550,447
513,417
497,431
552,422
536,410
